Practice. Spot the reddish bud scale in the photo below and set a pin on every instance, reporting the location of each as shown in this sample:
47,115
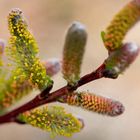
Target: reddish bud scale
94,103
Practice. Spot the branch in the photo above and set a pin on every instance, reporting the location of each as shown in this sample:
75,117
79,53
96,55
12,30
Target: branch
39,100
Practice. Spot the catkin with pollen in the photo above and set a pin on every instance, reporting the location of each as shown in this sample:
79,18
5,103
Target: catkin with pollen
120,25
53,119
23,50
93,103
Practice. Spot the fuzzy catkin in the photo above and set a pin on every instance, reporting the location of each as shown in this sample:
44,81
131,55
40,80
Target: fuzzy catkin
23,51
16,91
53,119
28,71
120,25
93,103
74,48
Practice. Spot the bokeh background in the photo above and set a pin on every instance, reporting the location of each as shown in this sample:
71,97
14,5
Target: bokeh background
49,20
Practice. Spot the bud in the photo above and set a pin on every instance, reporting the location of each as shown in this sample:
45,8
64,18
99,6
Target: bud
95,103
74,48
121,24
120,59
52,66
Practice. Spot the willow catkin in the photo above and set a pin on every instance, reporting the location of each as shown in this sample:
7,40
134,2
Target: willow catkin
74,48
53,119
93,103
120,25
14,92
23,51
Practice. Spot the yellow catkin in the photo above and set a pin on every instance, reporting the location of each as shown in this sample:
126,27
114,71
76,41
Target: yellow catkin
53,119
119,26
23,50
94,103
15,91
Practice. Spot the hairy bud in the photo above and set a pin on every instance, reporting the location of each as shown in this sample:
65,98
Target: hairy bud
52,66
120,59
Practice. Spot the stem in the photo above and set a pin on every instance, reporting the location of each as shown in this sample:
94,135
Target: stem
37,101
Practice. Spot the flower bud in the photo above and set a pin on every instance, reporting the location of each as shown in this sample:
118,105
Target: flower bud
120,59
52,66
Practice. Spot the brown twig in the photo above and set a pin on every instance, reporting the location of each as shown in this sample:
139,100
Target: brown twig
37,101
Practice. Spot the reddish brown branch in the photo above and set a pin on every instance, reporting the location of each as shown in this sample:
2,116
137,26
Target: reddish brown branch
39,100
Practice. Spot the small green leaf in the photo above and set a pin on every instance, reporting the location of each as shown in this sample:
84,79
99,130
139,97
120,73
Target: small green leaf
103,36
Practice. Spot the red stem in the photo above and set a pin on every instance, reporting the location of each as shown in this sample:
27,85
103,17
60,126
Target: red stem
37,101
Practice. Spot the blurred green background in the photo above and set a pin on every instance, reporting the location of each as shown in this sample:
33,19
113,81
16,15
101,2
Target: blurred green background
49,20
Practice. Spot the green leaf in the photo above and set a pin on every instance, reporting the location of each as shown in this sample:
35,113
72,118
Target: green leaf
103,36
